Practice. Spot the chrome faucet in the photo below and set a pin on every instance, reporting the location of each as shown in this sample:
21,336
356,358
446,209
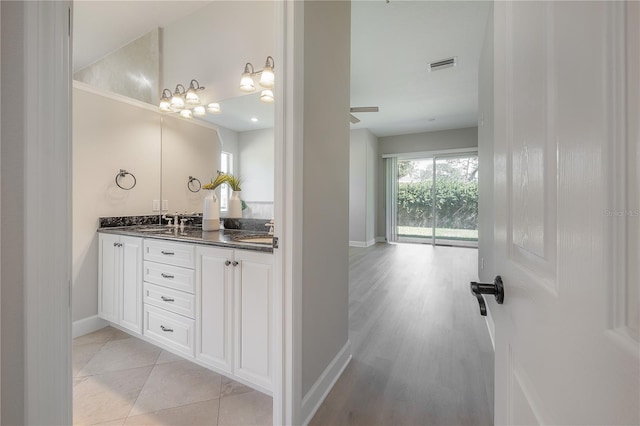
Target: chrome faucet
271,225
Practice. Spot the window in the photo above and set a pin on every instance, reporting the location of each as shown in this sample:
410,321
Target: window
226,166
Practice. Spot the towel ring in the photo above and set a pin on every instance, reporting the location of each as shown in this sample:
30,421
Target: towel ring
122,174
191,180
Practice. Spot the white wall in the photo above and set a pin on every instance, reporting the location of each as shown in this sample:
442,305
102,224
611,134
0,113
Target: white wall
485,157
255,152
108,135
229,143
363,148
417,142
213,44
325,268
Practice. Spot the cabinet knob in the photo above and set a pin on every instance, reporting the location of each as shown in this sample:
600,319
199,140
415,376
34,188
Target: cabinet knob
227,262
235,263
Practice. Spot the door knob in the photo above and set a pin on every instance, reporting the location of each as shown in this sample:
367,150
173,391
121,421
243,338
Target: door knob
497,289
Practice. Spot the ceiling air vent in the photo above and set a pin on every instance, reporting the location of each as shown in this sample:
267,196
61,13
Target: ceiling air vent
445,63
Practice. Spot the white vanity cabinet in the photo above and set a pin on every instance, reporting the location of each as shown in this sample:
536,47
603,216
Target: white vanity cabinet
169,300
203,302
234,292
120,281
253,317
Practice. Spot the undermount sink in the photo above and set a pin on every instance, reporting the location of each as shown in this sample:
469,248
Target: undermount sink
255,239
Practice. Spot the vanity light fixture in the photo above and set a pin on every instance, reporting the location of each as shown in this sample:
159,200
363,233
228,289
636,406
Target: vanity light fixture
165,101
186,102
214,108
199,111
177,101
246,82
267,96
267,79
191,97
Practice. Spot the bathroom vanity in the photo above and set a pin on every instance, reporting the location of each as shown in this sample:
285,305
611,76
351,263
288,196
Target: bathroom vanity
205,296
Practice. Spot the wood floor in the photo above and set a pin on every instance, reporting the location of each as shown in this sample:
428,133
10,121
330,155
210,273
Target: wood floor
421,351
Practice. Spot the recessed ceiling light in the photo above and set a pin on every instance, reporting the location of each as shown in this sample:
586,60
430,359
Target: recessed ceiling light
255,120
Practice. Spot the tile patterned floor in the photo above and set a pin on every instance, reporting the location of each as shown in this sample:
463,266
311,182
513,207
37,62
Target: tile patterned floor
121,380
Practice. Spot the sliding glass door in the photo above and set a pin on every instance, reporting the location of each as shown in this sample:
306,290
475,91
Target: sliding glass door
436,200
414,203
456,186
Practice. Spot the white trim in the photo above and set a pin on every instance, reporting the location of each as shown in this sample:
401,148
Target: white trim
47,249
363,244
440,152
321,388
287,378
381,239
88,325
138,104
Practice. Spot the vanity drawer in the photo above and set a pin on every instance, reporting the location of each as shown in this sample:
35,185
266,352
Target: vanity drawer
169,329
175,301
170,253
174,277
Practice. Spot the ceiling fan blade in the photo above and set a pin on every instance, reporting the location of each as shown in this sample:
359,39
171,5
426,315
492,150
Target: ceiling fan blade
353,119
364,109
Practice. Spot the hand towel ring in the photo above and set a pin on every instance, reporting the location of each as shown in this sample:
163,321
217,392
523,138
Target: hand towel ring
191,180
122,174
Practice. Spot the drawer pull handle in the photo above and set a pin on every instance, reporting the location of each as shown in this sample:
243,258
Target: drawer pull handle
166,275
167,299
167,329
167,253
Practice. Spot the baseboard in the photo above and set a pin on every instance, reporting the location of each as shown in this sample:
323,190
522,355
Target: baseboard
321,388
362,244
87,325
381,239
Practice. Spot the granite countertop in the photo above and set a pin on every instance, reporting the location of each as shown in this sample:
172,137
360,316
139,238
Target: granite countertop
191,234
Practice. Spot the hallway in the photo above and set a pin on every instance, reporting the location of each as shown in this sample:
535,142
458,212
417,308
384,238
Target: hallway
421,351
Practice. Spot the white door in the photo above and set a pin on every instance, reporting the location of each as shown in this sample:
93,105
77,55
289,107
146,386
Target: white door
567,333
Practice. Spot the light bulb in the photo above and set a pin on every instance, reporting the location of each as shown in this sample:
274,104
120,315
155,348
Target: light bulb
214,108
192,97
165,105
267,78
177,102
186,113
246,83
267,96
199,111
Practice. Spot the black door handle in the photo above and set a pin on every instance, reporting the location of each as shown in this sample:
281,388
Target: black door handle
497,289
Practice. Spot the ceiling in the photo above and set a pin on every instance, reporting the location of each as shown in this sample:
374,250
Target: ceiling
391,45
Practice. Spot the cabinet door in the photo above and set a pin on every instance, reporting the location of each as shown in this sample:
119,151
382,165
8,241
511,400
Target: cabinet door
213,307
253,317
131,284
108,276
